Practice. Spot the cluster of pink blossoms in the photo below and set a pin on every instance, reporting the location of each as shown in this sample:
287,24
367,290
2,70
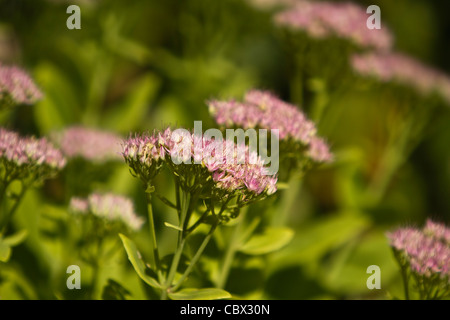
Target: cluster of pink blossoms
437,231
90,144
347,20
261,109
109,207
427,251
23,156
230,166
16,87
396,67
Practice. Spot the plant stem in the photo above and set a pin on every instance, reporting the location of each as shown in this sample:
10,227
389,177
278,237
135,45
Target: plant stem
198,222
154,244
391,160
396,153
403,272
3,187
96,268
185,206
177,194
287,200
196,256
320,101
9,214
173,269
230,253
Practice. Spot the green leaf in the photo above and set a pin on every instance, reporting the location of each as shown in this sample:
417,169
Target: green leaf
135,258
128,115
200,294
317,238
5,251
169,225
16,238
60,104
15,285
282,186
348,274
114,291
270,240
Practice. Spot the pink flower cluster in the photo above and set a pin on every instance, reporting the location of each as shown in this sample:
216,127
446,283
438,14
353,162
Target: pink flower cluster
91,144
345,20
28,152
231,167
437,231
18,86
427,250
397,67
261,109
110,207
147,149
235,167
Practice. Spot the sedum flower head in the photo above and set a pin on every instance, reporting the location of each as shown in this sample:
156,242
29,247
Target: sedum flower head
90,144
235,167
108,207
437,231
426,251
215,168
28,157
344,20
145,154
261,109
399,68
16,87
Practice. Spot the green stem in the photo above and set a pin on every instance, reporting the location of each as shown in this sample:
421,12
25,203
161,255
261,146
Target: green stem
390,163
405,283
198,222
96,267
230,253
404,273
320,101
400,146
173,269
297,80
185,206
3,186
288,197
97,87
196,256
166,201
177,194
154,244
296,87
9,214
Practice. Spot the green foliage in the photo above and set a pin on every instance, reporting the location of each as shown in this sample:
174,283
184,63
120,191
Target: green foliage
7,243
200,294
270,240
136,260
142,65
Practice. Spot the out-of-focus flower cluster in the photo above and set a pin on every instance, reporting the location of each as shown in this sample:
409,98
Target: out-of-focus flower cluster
426,251
28,157
145,154
396,67
214,166
110,208
346,20
261,109
90,144
16,87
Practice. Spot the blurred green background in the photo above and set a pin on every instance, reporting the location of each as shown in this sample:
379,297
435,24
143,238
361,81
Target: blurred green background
140,65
